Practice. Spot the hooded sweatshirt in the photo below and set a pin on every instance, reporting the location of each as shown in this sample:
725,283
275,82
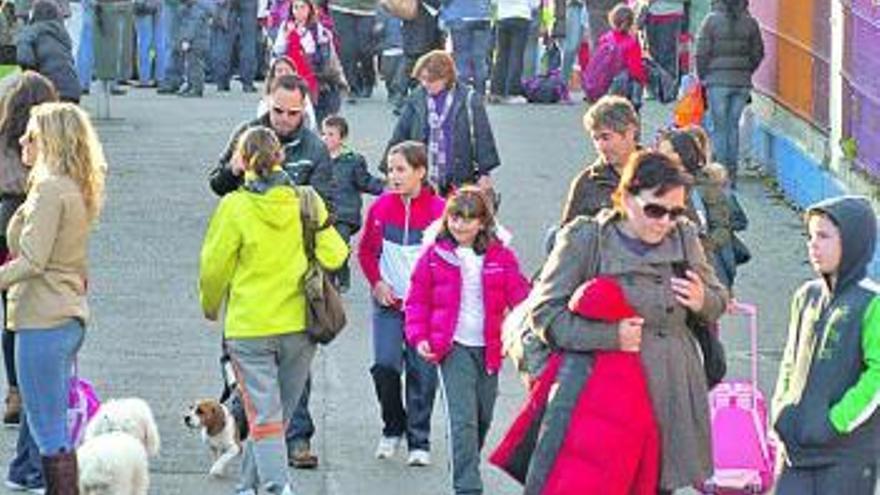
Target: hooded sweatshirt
828,392
253,255
44,46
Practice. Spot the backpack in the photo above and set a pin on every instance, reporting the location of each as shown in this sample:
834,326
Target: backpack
403,9
548,86
605,64
545,88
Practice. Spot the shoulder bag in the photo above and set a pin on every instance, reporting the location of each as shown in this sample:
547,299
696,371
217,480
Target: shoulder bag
326,314
711,348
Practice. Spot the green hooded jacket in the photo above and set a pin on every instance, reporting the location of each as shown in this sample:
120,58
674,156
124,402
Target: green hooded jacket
253,257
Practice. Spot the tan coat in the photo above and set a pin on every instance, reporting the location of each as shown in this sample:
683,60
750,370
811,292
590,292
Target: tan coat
48,237
669,352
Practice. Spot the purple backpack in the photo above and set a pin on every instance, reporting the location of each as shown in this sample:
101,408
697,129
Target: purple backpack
604,65
82,405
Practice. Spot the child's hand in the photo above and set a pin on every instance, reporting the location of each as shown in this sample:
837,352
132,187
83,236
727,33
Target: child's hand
424,350
384,294
237,165
630,334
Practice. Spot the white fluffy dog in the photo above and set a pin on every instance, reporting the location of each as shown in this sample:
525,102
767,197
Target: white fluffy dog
118,440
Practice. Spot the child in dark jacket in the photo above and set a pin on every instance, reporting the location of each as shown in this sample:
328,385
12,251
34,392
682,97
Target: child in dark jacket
461,288
352,178
45,47
828,391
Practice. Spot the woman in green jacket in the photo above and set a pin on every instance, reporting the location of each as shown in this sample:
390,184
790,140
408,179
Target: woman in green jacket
252,258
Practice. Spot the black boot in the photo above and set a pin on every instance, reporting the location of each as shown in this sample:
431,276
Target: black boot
60,471
388,390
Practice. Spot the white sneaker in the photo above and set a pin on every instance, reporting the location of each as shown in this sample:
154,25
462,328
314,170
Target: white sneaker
419,457
516,100
387,447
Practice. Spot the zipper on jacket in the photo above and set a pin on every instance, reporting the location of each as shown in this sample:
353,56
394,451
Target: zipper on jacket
406,211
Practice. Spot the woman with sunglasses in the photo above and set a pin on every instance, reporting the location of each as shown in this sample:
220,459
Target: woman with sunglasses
48,238
654,253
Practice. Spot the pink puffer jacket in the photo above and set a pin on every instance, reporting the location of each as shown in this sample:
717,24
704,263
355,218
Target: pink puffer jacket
432,306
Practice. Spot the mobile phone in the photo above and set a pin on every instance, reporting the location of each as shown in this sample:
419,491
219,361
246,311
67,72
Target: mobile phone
680,268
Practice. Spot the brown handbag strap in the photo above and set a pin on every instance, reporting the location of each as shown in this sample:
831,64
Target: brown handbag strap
308,212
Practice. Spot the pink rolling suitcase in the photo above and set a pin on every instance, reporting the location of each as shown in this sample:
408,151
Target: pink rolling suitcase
743,453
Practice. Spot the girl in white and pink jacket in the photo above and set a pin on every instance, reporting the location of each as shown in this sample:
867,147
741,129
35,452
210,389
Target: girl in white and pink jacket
461,289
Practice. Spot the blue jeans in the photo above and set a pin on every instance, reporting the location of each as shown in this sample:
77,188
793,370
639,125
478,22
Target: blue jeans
726,104
148,34
574,31
243,27
44,359
26,468
164,38
85,53
391,357
530,57
301,427
470,45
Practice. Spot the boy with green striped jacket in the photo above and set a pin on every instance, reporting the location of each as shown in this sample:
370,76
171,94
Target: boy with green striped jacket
828,393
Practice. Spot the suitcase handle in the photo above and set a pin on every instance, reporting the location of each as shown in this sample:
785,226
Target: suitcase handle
751,312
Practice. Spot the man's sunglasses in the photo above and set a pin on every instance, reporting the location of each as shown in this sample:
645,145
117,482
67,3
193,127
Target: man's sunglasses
289,113
657,212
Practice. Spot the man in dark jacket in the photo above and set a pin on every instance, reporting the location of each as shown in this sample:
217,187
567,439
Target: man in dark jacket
613,125
45,47
729,51
307,162
306,158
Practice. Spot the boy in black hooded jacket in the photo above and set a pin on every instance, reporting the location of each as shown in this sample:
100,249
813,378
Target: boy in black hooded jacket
828,391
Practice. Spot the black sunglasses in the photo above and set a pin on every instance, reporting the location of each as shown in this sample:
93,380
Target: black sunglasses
289,113
656,212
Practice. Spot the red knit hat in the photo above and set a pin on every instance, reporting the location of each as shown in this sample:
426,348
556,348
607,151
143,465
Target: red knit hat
601,298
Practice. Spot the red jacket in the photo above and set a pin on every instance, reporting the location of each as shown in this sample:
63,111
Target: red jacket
432,306
300,59
392,238
631,51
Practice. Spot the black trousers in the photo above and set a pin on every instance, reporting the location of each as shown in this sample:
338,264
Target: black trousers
511,38
356,50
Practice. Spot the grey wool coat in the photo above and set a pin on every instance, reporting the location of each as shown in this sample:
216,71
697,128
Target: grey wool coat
669,351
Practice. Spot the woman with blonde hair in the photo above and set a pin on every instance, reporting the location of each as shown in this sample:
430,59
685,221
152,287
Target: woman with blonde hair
46,278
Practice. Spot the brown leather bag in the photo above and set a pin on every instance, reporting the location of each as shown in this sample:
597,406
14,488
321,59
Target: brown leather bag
326,313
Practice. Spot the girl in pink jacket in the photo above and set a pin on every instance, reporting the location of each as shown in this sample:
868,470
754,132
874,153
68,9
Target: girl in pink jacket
461,288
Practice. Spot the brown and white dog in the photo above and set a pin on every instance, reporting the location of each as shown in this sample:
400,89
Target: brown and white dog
219,432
